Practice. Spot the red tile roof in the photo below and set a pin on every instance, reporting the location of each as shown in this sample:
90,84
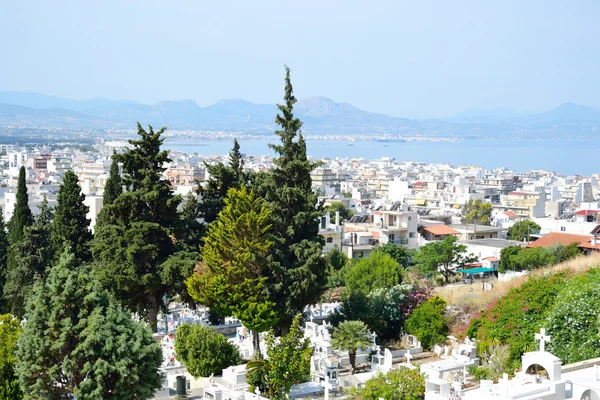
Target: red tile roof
492,259
440,230
586,212
554,238
510,214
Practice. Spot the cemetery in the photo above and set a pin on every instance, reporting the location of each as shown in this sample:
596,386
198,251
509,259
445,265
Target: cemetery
446,368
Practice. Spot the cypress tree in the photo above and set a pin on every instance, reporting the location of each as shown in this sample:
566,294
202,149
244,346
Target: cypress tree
3,257
114,186
221,178
32,256
137,251
71,227
21,216
299,276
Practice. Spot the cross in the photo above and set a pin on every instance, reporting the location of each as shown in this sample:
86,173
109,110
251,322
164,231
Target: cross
257,392
408,357
542,338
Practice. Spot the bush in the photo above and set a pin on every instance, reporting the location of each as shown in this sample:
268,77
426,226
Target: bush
428,322
402,383
573,320
203,350
515,317
379,270
383,310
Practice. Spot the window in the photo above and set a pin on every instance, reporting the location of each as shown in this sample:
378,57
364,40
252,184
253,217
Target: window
391,237
562,229
329,239
412,235
410,218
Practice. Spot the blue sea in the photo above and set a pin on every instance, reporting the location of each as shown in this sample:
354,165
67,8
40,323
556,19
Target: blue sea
567,157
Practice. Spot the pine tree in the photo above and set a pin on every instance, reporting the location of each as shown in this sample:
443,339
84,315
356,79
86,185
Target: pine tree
4,246
114,186
232,278
21,216
84,344
138,256
221,178
71,227
299,274
191,230
32,256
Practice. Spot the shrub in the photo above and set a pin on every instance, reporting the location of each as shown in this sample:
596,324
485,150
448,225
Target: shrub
573,321
384,311
203,350
10,330
402,383
428,322
515,317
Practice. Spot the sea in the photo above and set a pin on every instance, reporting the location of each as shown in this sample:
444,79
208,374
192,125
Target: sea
568,157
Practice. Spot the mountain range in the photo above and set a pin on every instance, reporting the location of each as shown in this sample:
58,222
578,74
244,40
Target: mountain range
320,115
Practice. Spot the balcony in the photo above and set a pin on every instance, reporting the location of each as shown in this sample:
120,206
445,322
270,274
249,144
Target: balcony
401,241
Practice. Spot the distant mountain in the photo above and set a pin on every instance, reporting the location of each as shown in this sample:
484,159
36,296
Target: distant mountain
320,115
570,112
484,116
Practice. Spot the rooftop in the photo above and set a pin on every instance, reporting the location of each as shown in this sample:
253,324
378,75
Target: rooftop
476,228
440,229
554,238
497,243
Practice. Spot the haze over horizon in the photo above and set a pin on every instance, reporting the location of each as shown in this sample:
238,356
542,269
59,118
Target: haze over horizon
403,59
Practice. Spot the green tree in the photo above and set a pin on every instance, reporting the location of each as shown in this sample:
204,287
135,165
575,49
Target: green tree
566,253
337,264
10,329
114,185
32,257
221,178
399,384
379,270
85,344
428,322
401,254
351,336
507,255
203,350
476,212
522,230
299,272
288,363
533,258
345,213
21,216
190,231
135,249
71,227
235,267
4,246
445,257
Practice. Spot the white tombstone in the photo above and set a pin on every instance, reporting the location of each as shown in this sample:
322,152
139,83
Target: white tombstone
542,338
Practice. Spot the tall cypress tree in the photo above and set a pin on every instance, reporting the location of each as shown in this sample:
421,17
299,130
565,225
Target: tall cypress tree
32,257
137,252
71,227
114,186
21,216
221,178
299,274
3,257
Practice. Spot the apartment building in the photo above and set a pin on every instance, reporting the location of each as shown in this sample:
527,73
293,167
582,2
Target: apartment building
524,204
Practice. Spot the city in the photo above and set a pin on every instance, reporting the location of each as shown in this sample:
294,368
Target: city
187,213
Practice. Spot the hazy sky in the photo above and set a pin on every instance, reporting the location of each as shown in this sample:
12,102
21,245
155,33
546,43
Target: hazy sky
404,58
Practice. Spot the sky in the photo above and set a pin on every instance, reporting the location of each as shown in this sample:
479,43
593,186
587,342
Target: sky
402,58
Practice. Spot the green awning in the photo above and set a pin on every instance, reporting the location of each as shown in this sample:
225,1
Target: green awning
476,270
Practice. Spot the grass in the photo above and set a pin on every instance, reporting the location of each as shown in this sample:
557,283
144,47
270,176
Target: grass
474,295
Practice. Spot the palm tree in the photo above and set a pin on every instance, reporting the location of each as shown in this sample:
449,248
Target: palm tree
351,336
